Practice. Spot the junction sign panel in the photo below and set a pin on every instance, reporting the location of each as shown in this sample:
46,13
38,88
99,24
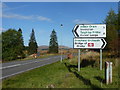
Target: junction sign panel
94,30
89,36
89,43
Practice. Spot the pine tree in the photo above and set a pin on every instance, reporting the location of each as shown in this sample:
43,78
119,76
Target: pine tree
32,43
20,30
21,42
53,44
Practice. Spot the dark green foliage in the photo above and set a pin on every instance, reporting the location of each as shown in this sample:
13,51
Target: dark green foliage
111,18
12,45
119,29
112,31
119,17
53,44
32,43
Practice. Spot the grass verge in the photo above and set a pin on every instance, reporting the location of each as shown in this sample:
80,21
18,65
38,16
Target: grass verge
61,75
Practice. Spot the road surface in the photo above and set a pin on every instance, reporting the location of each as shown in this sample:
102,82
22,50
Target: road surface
16,67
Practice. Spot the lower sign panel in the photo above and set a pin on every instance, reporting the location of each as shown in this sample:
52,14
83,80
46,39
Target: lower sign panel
88,43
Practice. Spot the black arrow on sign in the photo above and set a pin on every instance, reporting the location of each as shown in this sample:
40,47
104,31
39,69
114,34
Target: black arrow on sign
103,43
76,30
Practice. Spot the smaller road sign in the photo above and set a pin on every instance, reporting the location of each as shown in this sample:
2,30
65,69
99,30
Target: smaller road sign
90,30
90,43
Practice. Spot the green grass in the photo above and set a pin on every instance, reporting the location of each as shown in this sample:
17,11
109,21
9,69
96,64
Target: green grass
61,75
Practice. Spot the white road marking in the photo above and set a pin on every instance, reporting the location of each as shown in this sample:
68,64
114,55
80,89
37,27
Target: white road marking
10,66
22,64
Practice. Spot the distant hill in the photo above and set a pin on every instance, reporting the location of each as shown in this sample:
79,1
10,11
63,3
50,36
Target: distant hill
45,47
64,47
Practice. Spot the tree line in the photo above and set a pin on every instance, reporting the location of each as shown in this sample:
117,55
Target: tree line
13,44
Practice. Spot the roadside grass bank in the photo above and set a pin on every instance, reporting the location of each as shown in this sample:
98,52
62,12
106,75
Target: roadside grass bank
62,75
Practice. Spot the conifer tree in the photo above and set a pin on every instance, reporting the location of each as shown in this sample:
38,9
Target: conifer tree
53,44
32,43
21,41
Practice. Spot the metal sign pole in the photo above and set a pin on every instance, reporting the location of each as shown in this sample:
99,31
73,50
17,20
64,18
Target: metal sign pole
78,59
61,44
100,59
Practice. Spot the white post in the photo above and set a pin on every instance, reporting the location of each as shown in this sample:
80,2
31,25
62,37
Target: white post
78,59
100,59
107,72
110,72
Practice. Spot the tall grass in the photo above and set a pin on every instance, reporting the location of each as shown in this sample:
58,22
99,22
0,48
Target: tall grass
92,58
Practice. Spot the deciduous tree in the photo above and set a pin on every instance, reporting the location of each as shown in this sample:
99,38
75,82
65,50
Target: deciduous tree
12,47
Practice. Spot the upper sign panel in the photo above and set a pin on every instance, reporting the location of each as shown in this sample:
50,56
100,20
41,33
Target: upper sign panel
90,30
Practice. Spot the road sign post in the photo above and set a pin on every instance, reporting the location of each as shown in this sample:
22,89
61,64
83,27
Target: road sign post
100,59
89,36
78,59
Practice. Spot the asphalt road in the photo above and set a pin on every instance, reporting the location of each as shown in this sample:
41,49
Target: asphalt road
17,67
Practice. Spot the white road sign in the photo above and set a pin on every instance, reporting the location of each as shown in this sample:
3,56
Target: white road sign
90,30
89,43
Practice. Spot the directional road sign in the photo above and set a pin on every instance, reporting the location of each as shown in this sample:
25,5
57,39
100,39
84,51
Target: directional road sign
89,43
90,30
